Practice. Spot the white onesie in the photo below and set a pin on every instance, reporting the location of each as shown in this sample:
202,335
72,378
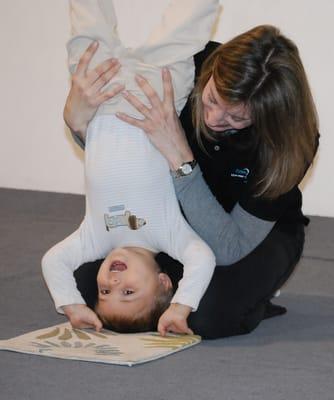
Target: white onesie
130,198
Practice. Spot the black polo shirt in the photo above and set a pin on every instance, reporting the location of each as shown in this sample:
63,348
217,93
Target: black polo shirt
229,168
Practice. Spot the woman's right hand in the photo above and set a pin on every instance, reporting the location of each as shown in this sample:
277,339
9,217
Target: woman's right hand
160,121
86,92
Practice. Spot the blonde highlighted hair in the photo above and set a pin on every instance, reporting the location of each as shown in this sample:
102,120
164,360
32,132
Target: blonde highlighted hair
262,69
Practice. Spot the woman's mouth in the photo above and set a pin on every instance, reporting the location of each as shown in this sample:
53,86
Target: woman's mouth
219,127
117,266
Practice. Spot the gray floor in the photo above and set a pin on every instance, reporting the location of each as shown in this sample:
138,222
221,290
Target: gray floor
290,357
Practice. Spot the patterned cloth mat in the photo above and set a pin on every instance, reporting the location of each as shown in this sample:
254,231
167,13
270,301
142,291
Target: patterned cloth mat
62,341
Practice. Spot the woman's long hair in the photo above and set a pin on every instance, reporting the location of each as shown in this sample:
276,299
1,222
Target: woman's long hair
262,69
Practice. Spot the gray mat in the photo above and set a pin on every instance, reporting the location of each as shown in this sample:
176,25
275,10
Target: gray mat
290,357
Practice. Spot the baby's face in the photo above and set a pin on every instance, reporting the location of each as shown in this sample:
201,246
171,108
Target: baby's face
127,282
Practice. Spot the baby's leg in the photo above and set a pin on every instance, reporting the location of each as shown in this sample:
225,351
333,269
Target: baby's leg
92,20
185,28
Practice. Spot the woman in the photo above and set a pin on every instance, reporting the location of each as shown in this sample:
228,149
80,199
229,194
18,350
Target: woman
251,128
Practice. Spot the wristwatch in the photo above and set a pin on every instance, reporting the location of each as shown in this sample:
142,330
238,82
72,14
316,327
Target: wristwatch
185,169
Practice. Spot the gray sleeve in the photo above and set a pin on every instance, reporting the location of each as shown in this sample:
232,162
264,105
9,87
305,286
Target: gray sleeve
78,140
231,236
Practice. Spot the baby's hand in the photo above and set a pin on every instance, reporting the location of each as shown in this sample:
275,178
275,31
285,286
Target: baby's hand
81,316
174,319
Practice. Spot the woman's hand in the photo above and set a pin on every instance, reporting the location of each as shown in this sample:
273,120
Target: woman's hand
160,122
86,92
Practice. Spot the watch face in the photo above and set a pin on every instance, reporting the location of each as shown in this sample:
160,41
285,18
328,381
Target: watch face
186,169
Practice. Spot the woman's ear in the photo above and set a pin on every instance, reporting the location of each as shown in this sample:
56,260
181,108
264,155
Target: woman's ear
165,281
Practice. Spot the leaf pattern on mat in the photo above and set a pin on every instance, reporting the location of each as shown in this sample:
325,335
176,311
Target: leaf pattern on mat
66,335
99,335
81,334
52,343
63,338
105,350
50,334
66,344
105,332
96,349
41,347
169,342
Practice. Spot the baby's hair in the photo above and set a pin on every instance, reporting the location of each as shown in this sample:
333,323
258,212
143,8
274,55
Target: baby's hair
144,322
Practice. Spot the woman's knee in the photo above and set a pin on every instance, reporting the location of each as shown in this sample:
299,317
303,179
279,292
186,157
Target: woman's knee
213,328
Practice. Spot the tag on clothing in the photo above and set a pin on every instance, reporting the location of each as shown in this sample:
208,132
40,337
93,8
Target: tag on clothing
114,220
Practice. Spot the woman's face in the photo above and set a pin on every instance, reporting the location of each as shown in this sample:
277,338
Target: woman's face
220,115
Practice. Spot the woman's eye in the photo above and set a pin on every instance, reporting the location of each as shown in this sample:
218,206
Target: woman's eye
104,291
239,120
127,292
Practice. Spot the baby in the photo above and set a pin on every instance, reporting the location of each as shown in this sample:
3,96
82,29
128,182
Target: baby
132,212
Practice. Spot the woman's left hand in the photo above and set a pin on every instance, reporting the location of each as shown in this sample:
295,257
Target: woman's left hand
160,123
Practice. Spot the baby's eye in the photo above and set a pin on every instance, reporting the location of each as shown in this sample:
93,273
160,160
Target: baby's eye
104,291
127,292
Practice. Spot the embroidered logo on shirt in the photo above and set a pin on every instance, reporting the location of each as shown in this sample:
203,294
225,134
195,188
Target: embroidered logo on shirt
241,173
125,219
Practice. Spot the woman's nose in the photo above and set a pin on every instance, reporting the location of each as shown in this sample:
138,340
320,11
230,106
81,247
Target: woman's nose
214,118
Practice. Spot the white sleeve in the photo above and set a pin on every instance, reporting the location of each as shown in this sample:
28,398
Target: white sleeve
92,20
59,263
198,263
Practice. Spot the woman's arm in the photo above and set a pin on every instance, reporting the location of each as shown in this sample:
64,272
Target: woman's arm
86,93
231,236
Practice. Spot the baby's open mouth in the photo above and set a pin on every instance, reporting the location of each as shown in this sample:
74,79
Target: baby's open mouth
117,266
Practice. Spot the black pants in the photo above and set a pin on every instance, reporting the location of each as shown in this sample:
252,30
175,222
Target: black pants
238,297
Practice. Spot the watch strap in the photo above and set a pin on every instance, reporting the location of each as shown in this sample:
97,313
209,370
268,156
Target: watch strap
185,169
